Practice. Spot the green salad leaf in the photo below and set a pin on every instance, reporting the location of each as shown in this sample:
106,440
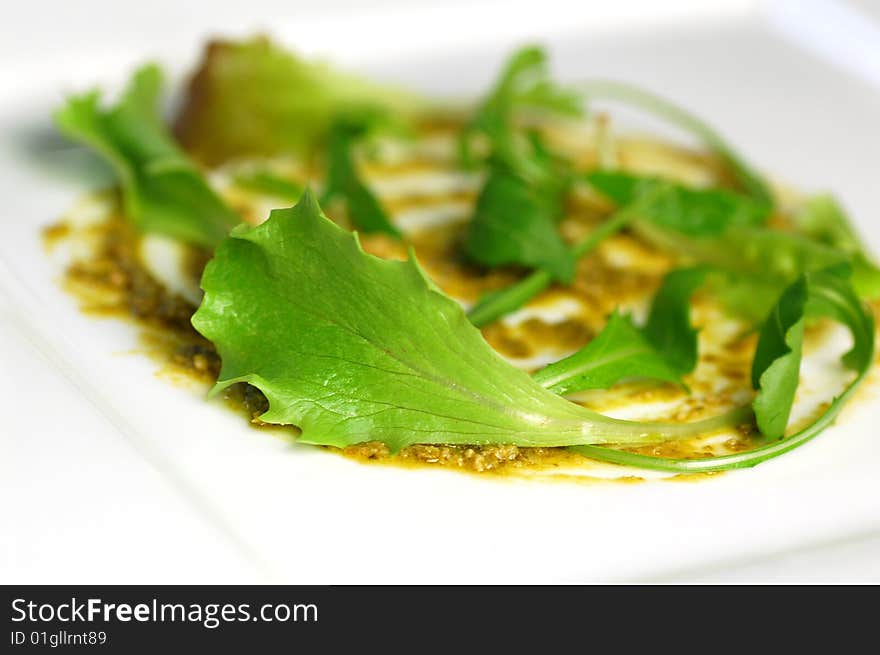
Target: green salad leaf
620,351
777,361
255,98
667,212
665,348
353,348
668,327
823,219
517,211
771,254
266,182
501,302
523,86
343,181
162,189
748,179
827,293
689,211
515,222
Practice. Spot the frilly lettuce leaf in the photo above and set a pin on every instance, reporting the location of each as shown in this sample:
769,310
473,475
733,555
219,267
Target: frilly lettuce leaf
353,348
255,98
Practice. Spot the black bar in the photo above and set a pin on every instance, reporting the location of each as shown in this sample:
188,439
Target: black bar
324,619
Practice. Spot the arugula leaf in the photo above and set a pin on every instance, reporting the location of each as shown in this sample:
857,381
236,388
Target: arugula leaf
255,98
776,366
496,304
775,370
761,251
752,265
664,349
750,181
162,190
690,211
822,293
353,348
364,209
643,202
524,85
620,351
515,223
668,327
705,212
749,296
267,182
516,215
823,219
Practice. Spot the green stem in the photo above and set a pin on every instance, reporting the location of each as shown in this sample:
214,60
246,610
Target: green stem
751,182
496,304
621,431
744,459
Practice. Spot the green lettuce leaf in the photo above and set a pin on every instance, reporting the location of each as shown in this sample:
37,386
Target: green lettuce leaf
255,98
353,348
162,190
759,251
667,213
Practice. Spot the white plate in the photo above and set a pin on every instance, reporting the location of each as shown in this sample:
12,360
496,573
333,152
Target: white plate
110,474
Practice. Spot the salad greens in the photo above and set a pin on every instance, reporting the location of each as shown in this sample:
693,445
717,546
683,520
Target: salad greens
523,87
664,349
619,352
824,220
255,98
352,348
825,293
343,181
517,211
515,223
268,183
162,189
661,209
697,212
749,181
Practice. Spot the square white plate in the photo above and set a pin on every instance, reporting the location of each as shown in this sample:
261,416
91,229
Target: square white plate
110,474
